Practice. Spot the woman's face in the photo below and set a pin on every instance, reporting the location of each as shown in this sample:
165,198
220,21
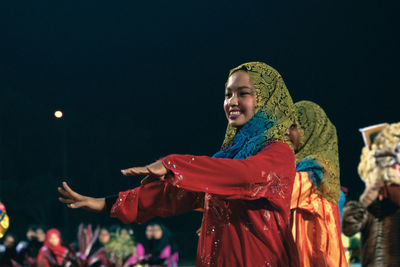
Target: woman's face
30,234
124,232
149,232
239,99
41,236
54,240
157,232
292,134
9,241
104,236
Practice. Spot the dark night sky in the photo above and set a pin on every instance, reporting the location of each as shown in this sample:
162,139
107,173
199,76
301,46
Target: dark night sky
138,80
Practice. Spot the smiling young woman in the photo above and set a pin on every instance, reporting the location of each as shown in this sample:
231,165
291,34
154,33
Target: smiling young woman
244,189
239,99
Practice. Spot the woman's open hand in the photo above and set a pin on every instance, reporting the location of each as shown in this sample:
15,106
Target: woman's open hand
76,201
154,171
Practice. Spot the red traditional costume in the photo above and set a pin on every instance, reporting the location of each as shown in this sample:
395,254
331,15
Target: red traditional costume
245,189
246,205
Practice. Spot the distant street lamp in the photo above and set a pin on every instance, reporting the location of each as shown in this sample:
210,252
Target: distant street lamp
58,114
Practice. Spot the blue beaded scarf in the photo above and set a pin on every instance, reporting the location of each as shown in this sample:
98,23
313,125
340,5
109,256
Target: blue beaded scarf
249,139
314,170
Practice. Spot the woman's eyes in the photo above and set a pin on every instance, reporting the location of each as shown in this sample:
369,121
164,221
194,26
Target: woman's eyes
242,93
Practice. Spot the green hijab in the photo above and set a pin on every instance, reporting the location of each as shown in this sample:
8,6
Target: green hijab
273,107
318,149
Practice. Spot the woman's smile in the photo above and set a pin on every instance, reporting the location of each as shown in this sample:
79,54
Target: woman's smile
239,99
234,113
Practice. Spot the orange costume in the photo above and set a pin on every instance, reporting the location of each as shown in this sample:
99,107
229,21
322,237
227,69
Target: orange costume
315,217
315,225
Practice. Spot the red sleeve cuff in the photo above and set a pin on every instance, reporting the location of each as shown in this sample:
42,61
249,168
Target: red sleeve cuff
125,207
177,174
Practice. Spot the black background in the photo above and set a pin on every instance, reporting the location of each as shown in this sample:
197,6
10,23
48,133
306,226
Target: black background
138,80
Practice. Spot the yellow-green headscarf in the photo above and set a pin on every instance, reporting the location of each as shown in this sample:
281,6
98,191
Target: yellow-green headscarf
274,113
318,149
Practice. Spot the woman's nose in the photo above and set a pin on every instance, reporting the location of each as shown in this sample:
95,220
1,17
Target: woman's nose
233,101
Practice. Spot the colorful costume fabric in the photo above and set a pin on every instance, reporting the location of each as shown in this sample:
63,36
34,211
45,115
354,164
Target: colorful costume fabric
379,227
316,225
378,219
244,189
318,150
4,220
316,190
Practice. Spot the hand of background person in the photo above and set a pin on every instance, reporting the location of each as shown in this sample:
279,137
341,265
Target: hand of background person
153,172
371,193
355,217
76,201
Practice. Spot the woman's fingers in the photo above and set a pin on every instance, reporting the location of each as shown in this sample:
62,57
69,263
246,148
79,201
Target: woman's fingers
71,193
77,201
135,171
65,201
63,192
77,205
157,168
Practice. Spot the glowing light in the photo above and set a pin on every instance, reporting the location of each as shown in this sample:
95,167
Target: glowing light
58,114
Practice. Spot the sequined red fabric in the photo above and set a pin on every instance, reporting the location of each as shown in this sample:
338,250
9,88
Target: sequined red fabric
246,205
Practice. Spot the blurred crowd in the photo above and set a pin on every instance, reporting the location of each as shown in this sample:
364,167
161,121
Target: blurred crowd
113,246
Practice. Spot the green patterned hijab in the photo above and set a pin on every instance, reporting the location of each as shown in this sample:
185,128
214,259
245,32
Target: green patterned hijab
274,113
318,149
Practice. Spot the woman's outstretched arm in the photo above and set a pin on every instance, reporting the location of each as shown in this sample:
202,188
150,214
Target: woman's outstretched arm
268,174
76,201
156,199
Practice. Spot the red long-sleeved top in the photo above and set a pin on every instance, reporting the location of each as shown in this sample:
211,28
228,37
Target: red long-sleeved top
246,205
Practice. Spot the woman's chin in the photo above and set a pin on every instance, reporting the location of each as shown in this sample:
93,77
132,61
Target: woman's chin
235,124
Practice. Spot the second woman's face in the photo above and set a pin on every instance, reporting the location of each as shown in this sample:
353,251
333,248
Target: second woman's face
239,104
40,234
157,232
104,236
293,135
149,232
54,240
